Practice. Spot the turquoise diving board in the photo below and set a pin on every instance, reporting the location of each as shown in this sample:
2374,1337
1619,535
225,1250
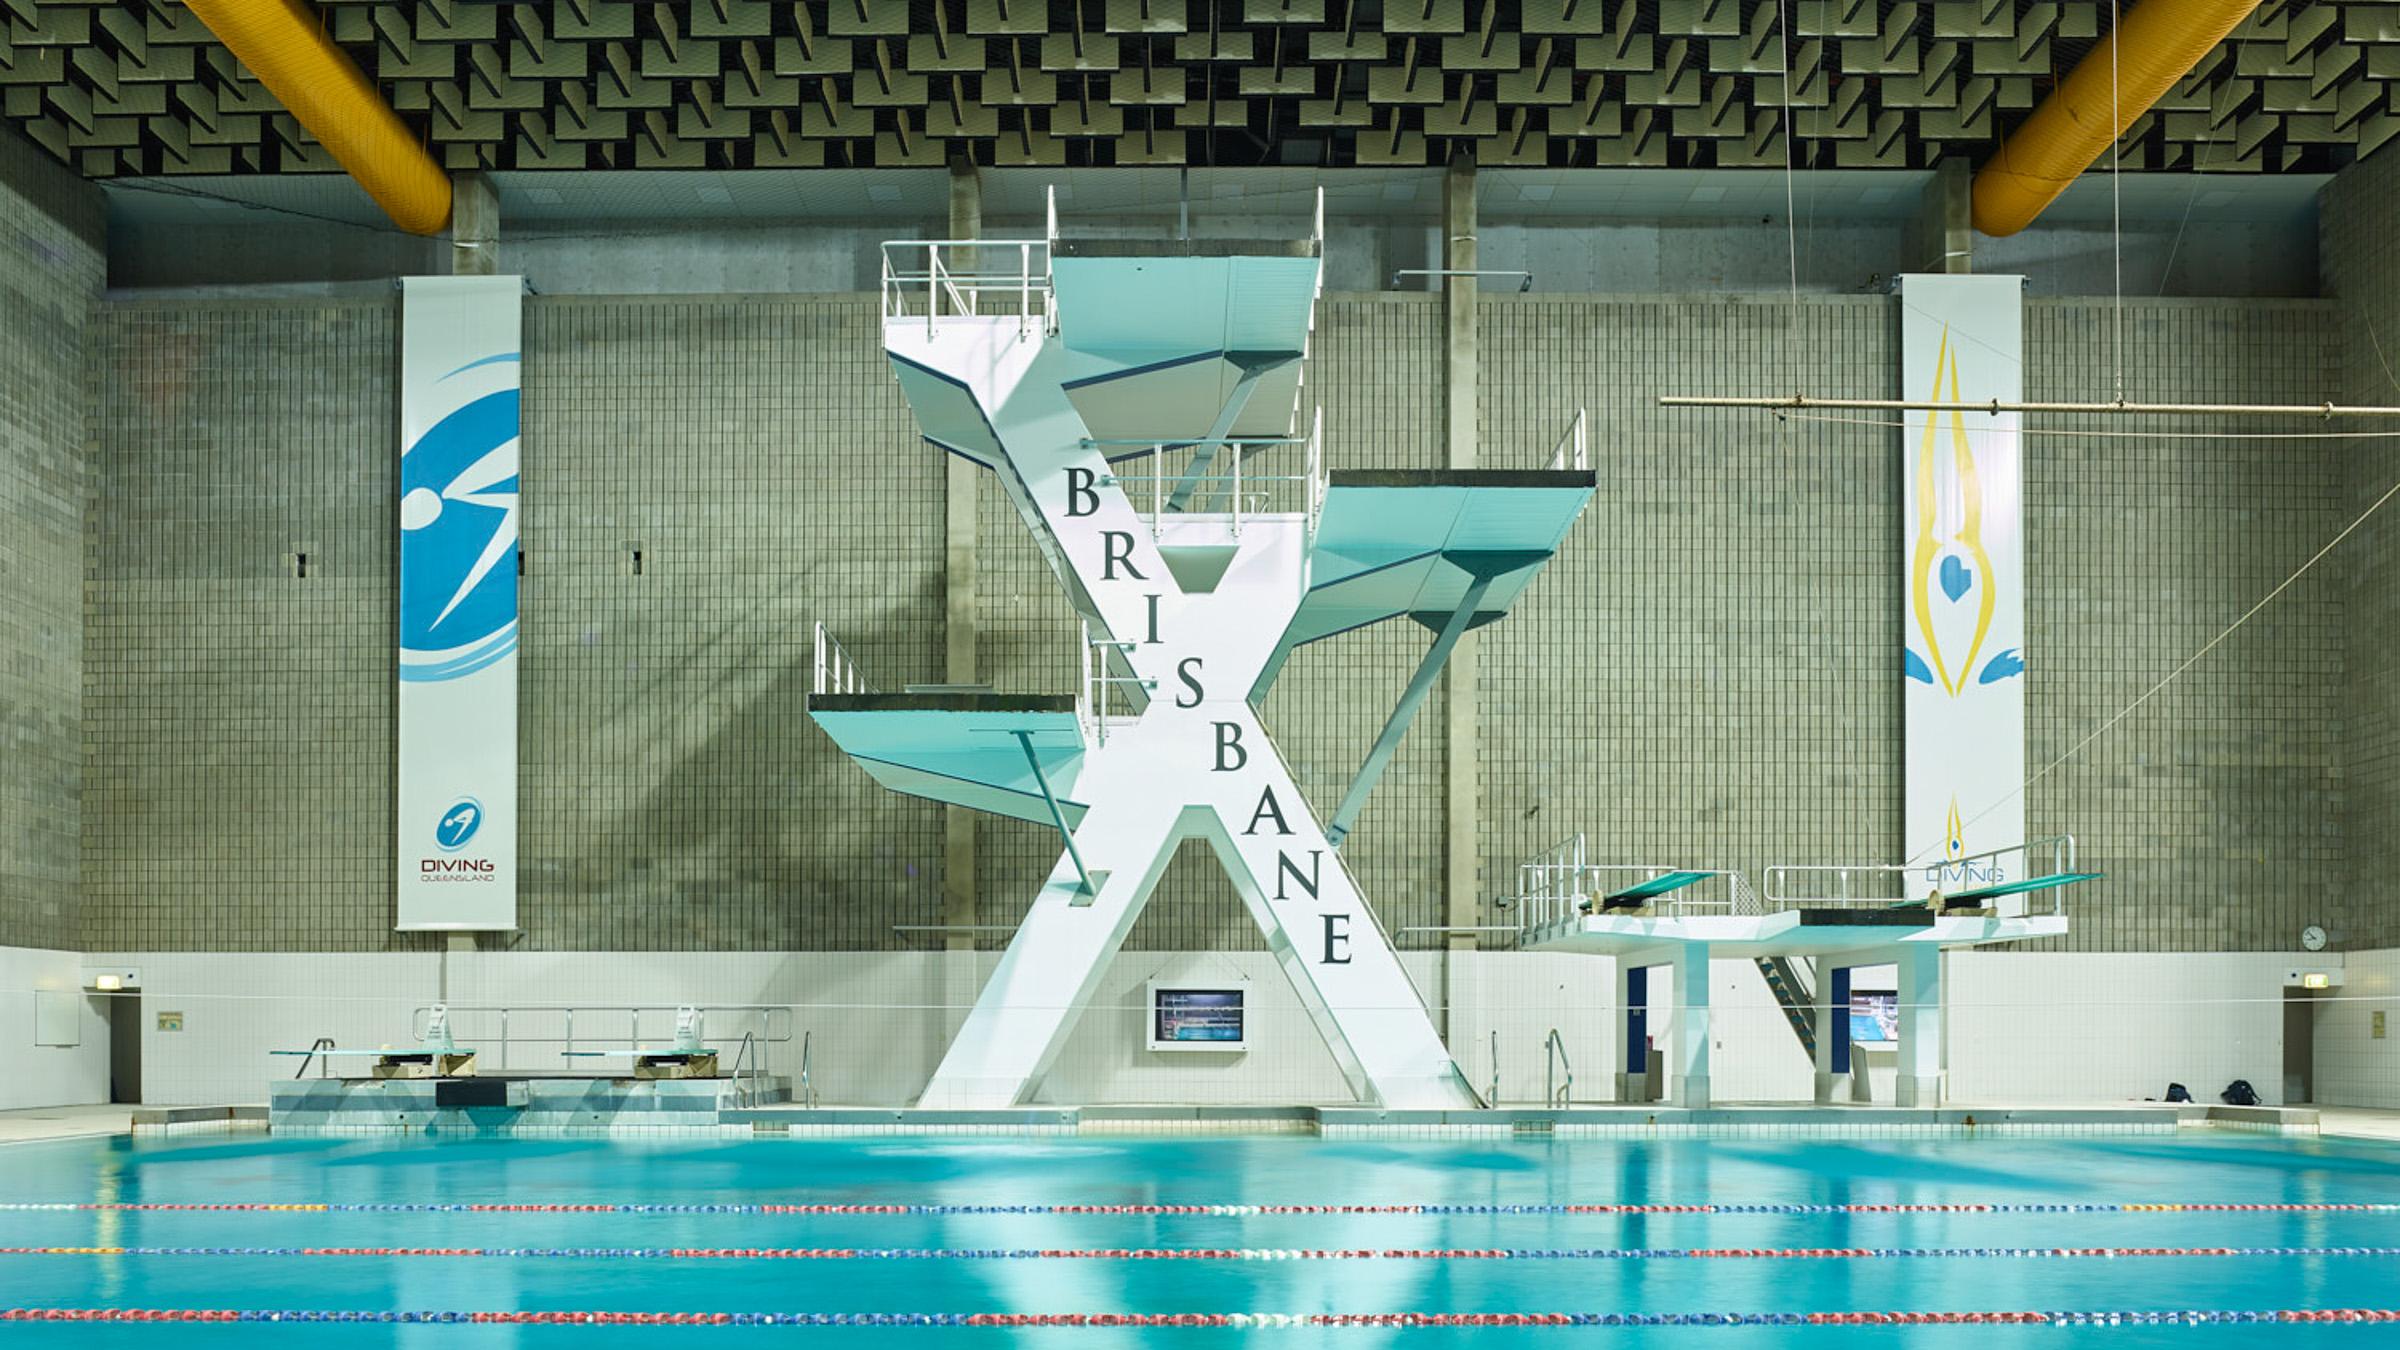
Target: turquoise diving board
1954,899
1014,755
1654,888
1417,543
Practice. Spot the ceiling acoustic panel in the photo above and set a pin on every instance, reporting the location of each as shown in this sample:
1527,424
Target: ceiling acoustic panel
141,89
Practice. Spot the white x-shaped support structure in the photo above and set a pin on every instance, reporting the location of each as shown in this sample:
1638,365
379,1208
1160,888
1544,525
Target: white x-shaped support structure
1194,762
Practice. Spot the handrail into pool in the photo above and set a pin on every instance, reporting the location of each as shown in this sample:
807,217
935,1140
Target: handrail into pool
1557,1096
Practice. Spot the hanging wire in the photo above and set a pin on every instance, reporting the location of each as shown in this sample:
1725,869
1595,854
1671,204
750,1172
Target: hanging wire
2188,662
2230,629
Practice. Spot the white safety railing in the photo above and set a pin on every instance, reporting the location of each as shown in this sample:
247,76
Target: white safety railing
1316,478
1573,450
937,279
836,673
504,1033
1093,706
1229,488
1561,884
1882,885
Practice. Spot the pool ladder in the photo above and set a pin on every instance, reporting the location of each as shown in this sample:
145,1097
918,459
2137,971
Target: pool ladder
1557,1095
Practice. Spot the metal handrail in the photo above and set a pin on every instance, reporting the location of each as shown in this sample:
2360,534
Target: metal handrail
775,1022
935,281
1554,885
1871,885
1091,699
323,1066
836,673
1246,493
1557,1095
808,1088
1573,449
1492,1097
740,1057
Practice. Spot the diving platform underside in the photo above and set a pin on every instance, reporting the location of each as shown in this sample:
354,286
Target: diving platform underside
965,749
1793,932
1163,339
1420,543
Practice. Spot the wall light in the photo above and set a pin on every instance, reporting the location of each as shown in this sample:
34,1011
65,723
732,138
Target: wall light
108,984
2316,979
121,980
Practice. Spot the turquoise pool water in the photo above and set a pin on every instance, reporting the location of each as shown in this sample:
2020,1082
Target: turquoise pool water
622,1260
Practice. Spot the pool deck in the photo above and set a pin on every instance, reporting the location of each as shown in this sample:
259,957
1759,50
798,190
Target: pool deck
1597,1121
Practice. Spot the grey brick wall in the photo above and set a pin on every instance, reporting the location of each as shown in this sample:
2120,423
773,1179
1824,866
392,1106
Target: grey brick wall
2355,216
51,265
2215,808
1706,674
674,795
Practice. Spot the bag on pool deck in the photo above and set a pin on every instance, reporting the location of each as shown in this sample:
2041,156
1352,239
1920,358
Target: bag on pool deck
2177,1092
2239,1093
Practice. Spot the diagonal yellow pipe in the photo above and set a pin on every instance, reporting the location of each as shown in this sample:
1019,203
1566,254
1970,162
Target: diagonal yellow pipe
2156,43
283,44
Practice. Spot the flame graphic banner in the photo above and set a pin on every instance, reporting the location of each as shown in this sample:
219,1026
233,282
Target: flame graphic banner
458,516
1963,658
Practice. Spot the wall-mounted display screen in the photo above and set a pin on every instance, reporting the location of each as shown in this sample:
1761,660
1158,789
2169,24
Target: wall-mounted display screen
1196,1019
1874,1017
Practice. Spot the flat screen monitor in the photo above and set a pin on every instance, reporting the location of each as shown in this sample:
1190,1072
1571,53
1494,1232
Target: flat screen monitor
1196,1019
1874,1017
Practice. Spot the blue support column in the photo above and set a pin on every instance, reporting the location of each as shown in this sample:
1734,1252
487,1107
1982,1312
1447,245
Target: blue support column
1633,995
1833,1032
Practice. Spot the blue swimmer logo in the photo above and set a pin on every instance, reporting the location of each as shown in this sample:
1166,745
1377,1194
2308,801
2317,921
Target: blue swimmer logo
459,517
458,824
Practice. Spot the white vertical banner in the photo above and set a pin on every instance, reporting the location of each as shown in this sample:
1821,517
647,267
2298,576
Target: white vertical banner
1962,340
457,803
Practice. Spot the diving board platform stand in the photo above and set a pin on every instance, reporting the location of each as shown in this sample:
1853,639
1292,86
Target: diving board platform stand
1833,918
1141,404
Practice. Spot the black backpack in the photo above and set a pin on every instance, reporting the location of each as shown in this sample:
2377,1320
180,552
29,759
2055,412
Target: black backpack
2177,1092
2239,1093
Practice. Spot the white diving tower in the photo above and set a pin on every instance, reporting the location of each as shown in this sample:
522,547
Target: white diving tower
1140,402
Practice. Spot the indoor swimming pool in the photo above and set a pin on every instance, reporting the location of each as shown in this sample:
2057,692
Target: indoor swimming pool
1227,1240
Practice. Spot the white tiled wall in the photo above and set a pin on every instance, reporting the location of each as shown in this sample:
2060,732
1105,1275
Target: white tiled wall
2110,1026
237,1006
48,1075
2024,1027
2353,1067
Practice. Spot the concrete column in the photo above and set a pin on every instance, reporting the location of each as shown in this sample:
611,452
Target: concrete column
474,226
1919,1080
1462,763
961,662
1942,236
1687,1056
1833,1031
1633,1058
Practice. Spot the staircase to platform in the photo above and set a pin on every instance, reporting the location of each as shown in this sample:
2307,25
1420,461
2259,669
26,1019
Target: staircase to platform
1791,992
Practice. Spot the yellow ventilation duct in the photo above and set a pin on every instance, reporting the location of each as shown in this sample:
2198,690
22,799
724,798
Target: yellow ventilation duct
2155,44
285,47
